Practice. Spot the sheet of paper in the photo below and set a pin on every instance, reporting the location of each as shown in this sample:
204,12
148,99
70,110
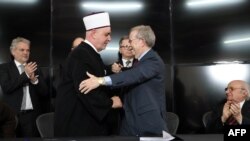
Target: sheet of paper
166,137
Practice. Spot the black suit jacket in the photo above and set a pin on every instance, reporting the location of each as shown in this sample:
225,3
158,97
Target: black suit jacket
215,125
12,85
77,114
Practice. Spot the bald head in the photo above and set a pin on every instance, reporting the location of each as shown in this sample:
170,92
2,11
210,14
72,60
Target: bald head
241,86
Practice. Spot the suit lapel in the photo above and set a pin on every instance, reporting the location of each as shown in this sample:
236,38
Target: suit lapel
14,70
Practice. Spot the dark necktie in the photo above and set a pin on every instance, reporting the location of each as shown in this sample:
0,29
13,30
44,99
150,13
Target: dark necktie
127,63
232,121
135,62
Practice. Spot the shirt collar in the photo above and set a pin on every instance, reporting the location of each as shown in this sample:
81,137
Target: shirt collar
139,58
241,103
18,64
125,60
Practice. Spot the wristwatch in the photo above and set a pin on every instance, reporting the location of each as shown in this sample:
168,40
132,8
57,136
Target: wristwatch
101,81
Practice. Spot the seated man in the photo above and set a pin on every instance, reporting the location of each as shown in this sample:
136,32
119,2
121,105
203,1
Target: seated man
234,110
7,121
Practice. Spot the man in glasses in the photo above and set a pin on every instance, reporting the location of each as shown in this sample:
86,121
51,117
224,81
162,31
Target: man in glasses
125,57
234,110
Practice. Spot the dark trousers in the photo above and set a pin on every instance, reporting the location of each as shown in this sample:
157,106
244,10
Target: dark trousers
27,124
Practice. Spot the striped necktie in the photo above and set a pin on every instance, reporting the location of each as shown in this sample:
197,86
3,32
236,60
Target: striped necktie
232,121
127,63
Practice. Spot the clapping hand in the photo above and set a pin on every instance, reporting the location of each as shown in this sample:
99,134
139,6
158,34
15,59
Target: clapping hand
30,69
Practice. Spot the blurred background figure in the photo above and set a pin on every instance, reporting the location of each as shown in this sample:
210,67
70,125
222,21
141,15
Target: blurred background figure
76,42
125,57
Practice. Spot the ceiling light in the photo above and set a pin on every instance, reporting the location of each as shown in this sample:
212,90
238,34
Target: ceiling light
247,39
17,1
210,3
112,6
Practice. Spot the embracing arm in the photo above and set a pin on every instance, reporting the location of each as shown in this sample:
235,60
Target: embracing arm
145,71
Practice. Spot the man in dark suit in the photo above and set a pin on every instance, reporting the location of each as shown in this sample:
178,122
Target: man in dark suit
235,110
145,101
126,57
23,85
79,115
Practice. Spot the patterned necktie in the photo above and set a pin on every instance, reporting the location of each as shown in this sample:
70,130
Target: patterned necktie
127,63
232,121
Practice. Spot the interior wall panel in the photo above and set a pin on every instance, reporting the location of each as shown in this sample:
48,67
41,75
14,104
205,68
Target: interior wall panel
196,43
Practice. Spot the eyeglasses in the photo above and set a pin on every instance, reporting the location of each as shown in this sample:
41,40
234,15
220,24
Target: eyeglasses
126,47
230,89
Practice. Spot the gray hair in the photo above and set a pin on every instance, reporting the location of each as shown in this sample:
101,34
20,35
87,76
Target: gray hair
18,40
146,33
